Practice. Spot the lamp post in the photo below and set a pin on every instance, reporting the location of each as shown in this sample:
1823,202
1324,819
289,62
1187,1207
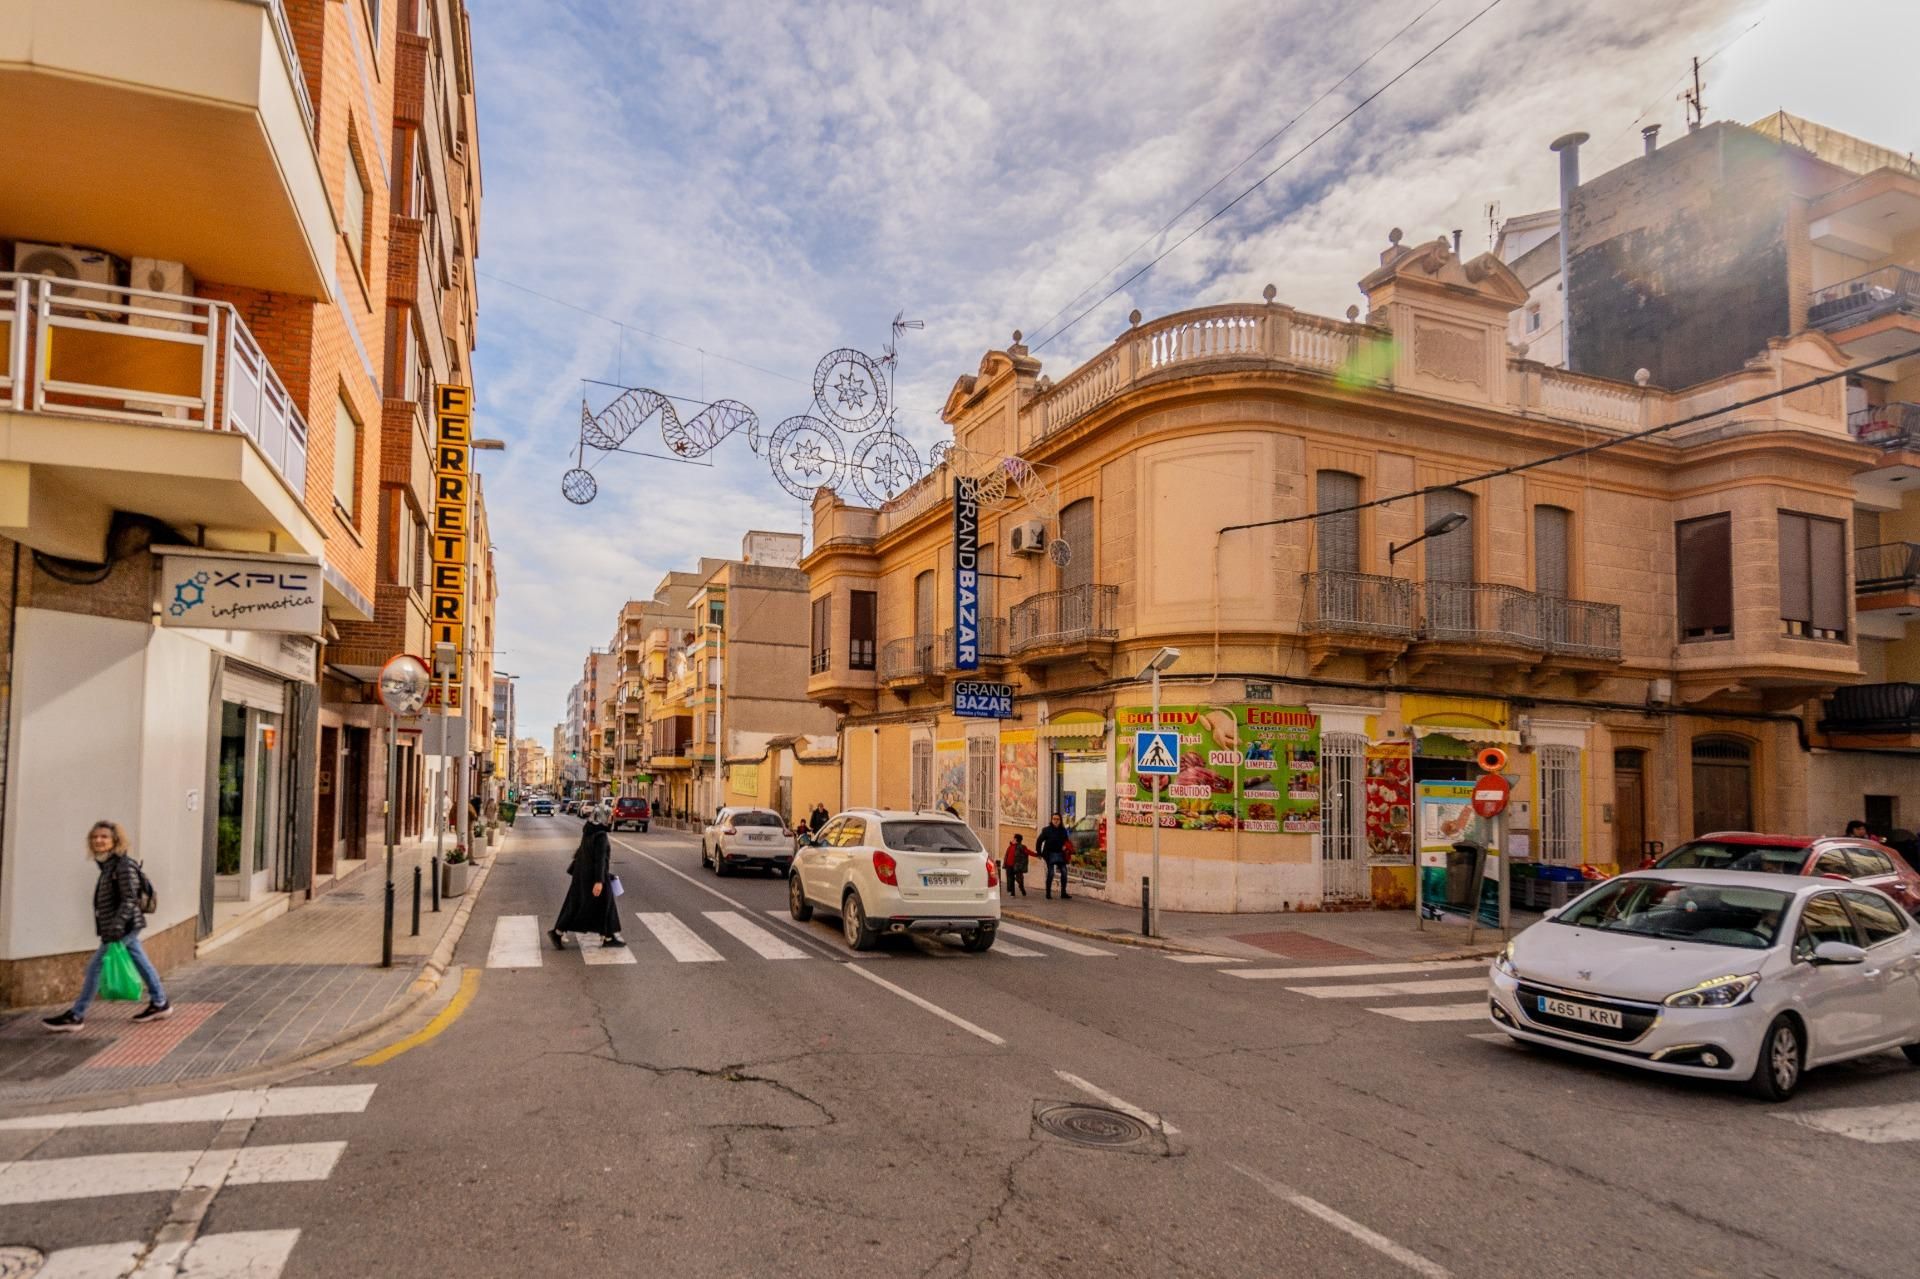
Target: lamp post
445,658
1445,524
1165,658
483,445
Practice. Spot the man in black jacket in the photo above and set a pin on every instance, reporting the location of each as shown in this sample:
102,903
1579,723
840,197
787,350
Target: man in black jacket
1053,845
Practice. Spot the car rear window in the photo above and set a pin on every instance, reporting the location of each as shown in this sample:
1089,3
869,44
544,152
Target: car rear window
756,818
1710,854
929,837
1748,918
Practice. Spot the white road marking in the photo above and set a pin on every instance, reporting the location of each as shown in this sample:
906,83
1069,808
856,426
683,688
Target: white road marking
1876,1124
1204,959
516,942
931,1007
242,1254
753,937
819,933
1340,1221
681,942
1357,970
1436,1012
1377,989
1492,1036
1124,1107
1055,940
1012,951
95,1261
594,952
214,1107
97,1176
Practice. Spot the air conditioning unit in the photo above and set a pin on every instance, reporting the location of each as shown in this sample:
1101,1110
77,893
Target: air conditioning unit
1029,538
84,266
157,275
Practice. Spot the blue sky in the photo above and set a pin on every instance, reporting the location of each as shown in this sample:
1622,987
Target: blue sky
748,185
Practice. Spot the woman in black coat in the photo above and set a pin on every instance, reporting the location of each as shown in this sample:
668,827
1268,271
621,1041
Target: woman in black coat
589,907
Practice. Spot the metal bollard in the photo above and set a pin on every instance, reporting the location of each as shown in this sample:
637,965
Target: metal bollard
1146,906
416,900
386,934
436,883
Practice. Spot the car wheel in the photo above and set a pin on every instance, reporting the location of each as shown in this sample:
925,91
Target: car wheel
643,828
976,940
1913,1053
860,935
797,904
719,863
1782,1057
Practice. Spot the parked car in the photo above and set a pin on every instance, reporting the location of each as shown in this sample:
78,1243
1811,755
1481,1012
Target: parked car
889,872
1717,974
1860,860
542,806
632,810
746,839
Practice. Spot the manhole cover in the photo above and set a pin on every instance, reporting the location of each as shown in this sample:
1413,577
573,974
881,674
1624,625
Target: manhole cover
1093,1126
19,1263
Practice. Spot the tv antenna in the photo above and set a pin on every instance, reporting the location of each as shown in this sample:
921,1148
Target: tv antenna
1696,108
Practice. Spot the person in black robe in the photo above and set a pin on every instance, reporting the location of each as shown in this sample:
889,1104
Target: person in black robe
589,907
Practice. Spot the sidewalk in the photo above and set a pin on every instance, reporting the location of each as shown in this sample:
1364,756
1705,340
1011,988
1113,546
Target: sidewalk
292,987
1298,937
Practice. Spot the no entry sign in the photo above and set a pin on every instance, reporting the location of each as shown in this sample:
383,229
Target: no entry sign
1490,795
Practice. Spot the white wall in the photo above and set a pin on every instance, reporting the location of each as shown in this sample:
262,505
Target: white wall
109,721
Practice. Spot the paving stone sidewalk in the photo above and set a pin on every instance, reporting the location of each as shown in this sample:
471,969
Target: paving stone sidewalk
293,986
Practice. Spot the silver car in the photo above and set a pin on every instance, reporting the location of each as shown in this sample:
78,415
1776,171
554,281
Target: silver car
746,839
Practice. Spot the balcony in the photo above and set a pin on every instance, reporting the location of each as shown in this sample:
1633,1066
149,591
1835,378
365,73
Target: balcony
993,646
1363,614
171,388
1058,626
1887,576
176,129
1889,714
837,683
1893,427
1492,624
1871,315
909,662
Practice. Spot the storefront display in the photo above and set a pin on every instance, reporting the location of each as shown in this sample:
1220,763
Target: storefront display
1019,777
1390,803
950,775
1251,767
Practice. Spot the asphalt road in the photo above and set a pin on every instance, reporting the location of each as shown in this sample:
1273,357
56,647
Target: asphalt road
756,1116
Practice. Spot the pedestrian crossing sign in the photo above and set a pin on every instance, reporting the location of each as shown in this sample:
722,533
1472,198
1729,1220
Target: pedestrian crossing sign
1156,754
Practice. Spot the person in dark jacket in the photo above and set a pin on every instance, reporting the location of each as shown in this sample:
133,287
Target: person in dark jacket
116,918
589,907
1053,845
818,818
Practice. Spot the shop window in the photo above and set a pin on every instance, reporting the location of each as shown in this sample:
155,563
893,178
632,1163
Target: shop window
862,629
1559,803
1703,577
983,778
1813,576
922,785
1339,534
822,635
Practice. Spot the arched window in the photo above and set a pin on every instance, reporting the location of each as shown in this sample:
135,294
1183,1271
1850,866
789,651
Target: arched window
1722,784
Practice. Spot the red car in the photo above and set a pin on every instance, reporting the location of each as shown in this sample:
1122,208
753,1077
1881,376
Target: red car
1831,857
632,810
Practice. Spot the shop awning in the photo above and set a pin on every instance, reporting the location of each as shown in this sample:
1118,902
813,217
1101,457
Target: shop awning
1464,733
1084,731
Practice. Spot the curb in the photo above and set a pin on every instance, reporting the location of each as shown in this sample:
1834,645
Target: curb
421,989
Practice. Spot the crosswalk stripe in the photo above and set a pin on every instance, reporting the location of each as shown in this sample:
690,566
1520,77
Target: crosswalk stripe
240,1254
1436,1012
1879,1125
243,1103
96,1176
1055,940
516,942
754,938
1204,959
1357,970
680,941
1375,990
593,952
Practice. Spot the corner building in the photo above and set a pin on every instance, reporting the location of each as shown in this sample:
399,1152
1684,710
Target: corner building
1614,621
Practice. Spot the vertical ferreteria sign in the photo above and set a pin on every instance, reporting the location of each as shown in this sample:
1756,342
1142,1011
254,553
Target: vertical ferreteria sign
453,439
966,573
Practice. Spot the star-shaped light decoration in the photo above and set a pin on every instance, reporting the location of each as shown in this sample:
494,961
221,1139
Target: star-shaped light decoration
807,459
852,393
891,472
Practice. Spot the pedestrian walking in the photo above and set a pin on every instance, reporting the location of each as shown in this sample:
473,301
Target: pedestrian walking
118,897
1016,863
818,817
1054,845
590,907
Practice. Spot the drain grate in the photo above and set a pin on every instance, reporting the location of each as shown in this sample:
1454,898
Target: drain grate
1095,1126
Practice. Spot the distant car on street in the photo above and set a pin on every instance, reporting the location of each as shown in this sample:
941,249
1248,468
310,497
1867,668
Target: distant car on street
632,810
1860,860
746,839
884,872
542,806
1716,974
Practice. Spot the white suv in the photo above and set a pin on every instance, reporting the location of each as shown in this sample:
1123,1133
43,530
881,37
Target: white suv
883,871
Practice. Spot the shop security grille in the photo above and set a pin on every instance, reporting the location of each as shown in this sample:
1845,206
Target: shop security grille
983,775
1560,804
1343,861
922,775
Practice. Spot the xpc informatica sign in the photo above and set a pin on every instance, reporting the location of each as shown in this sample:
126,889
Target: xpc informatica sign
237,591
966,573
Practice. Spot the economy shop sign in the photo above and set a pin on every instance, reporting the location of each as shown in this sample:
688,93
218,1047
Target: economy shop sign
966,574
1250,767
229,591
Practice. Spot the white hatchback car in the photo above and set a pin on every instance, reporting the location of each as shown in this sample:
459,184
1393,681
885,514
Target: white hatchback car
746,839
884,871
1717,974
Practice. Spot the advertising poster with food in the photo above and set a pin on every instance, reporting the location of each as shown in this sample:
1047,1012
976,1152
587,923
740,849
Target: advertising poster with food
950,775
1390,803
1019,777
1252,766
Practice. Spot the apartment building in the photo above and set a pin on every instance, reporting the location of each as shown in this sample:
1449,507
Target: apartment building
1616,620
530,764
1687,262
599,684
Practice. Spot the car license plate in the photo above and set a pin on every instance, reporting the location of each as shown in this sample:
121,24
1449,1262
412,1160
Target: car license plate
941,879
1580,1012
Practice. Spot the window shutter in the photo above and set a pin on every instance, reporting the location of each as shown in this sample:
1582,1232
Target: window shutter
1827,558
1552,528
1703,561
1339,534
860,630
1076,528
923,606
1796,588
1450,555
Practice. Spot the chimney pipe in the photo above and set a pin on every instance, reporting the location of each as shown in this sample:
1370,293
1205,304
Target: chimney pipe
1456,242
1568,146
1651,136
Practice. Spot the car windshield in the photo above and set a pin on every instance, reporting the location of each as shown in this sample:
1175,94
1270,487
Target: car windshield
755,817
1716,854
1710,913
929,837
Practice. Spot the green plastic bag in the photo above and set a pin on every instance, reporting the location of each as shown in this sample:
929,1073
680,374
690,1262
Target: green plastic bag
119,979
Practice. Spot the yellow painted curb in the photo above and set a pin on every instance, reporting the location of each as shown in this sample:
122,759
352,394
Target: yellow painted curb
469,986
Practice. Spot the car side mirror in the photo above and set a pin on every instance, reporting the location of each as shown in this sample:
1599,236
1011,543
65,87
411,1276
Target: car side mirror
1838,952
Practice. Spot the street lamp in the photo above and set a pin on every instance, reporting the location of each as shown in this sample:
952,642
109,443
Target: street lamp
1160,661
1445,524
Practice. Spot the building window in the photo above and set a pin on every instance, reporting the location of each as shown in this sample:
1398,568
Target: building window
1560,803
1339,534
922,776
1450,555
1813,576
1552,547
862,629
1076,530
1703,576
1533,319
716,612
346,459
355,214
983,779
923,607
822,635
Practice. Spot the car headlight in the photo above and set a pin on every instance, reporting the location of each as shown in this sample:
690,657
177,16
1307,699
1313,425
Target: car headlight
1721,992
1505,961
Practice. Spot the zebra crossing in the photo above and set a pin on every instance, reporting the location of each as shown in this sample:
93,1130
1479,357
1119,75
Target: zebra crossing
193,1173
717,936
1421,982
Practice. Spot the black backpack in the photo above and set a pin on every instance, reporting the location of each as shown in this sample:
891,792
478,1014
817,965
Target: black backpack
149,900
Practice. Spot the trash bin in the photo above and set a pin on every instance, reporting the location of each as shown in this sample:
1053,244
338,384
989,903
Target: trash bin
509,809
1463,872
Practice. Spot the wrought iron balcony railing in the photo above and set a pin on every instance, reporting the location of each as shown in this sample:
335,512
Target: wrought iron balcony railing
1480,612
993,643
1340,603
1890,426
911,657
1580,628
1882,708
1076,615
1889,566
1889,290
